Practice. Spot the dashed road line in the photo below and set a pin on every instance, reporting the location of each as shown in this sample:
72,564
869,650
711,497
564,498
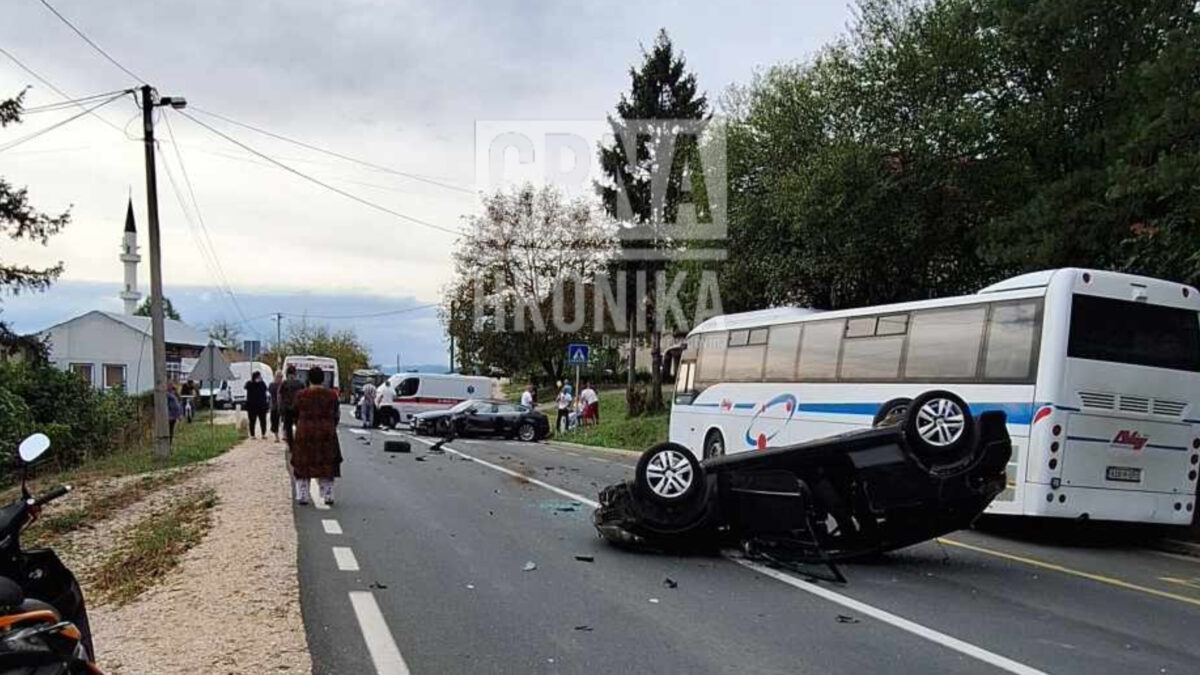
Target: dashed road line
346,561
1034,562
906,625
380,643
314,491
331,526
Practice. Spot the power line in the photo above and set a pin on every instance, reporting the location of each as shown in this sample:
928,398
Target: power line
327,186
52,127
50,84
200,217
370,315
339,155
93,44
69,103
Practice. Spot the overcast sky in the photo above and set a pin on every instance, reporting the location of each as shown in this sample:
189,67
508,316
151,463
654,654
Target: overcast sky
396,83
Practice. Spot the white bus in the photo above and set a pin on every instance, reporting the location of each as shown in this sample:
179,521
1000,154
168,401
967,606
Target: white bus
1098,372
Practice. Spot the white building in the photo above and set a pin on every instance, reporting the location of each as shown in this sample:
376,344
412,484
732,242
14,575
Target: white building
114,350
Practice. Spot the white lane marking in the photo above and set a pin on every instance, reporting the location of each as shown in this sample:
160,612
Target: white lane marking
495,467
1178,556
314,491
346,561
331,526
359,432
384,652
917,629
992,658
389,432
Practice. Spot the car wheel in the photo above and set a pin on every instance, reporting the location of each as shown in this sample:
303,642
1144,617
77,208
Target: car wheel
714,445
938,425
668,473
526,432
895,409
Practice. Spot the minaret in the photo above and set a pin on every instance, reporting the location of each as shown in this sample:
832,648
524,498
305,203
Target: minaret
129,256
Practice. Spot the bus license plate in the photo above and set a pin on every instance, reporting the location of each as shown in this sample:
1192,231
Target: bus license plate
1125,474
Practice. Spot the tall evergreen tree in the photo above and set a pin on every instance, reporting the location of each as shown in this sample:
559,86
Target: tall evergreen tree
661,89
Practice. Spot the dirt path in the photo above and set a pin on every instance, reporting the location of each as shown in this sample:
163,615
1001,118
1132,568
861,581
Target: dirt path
233,605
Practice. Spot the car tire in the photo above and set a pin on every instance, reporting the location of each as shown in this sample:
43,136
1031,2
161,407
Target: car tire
938,426
527,432
714,444
668,473
895,407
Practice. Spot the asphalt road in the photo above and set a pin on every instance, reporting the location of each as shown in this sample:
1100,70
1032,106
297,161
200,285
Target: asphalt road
420,566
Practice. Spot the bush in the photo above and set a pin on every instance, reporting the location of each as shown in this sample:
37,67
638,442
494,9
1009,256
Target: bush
80,421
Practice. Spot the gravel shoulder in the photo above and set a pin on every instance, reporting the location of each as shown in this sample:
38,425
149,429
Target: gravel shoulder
232,604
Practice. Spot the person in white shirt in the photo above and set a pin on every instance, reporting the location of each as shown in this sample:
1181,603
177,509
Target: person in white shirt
563,421
527,397
367,405
590,402
385,395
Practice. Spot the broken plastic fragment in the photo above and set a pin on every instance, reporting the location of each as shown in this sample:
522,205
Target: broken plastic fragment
584,627
585,558
842,618
654,601
670,583
530,566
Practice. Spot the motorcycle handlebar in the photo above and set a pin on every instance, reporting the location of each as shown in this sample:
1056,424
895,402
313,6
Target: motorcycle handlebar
52,495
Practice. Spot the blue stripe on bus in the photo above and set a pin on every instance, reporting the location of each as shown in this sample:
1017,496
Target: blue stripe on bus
1089,439
1018,413
1179,448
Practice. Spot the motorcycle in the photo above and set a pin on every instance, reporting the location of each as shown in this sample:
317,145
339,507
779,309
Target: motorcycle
43,618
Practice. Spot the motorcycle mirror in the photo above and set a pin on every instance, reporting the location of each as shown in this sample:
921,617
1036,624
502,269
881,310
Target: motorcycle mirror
33,447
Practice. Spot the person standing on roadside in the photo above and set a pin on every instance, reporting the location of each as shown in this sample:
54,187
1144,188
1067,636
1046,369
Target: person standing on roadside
563,402
316,453
274,393
527,397
287,404
174,411
187,392
385,397
366,405
256,402
589,402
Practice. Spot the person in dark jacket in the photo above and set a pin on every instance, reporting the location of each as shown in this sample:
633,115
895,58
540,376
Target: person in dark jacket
256,402
316,453
287,404
174,410
274,393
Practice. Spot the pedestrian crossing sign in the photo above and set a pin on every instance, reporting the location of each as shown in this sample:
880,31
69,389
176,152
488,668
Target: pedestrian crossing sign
577,354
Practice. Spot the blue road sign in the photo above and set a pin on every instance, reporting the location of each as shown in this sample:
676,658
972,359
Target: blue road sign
577,354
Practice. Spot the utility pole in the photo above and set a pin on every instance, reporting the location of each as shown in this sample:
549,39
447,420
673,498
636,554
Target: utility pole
279,339
162,440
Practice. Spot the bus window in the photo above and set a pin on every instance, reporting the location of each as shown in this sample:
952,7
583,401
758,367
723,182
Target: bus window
872,358
782,345
712,358
896,324
1012,338
738,338
819,350
944,344
744,364
1123,331
860,327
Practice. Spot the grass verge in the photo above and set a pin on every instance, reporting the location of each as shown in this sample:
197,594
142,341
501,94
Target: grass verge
46,529
153,547
616,430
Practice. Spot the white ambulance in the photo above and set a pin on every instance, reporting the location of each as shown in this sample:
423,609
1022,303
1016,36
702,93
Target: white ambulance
422,392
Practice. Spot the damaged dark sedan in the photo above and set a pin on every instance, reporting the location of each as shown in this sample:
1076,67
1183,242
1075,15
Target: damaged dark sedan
923,471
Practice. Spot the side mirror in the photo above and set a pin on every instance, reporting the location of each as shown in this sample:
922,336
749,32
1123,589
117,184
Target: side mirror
33,447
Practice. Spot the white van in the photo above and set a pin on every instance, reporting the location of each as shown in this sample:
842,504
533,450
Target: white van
304,363
233,392
422,392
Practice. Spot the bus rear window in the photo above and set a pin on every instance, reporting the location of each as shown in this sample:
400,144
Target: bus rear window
1122,331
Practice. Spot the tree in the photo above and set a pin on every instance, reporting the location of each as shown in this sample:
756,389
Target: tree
168,309
19,220
522,288
222,332
646,181
342,346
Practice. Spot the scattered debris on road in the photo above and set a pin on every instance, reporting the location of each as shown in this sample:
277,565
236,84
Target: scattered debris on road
654,601
585,558
377,585
530,566
585,628
670,583
843,618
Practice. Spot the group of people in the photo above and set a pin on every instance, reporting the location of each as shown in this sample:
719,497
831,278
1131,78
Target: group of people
572,412
309,414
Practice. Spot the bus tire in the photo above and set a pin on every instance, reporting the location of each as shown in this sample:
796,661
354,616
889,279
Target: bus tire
896,408
668,473
714,444
938,426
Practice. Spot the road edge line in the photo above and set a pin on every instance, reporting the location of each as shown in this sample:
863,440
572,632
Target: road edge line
907,625
380,644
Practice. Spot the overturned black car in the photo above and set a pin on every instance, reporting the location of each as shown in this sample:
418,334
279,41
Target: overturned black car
924,470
